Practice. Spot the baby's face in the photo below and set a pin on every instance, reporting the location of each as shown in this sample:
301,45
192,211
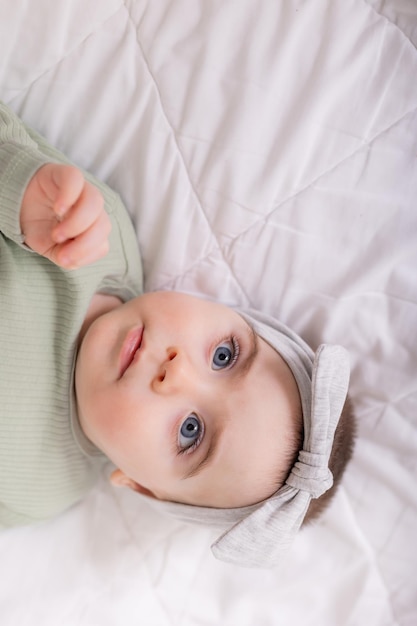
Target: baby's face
186,400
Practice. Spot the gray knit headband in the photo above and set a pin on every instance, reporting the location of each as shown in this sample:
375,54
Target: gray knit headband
258,535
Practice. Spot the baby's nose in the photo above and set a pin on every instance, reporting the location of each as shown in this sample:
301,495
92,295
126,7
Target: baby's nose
174,372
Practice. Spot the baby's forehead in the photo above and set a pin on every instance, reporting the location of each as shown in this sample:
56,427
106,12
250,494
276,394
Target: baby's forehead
249,431
289,346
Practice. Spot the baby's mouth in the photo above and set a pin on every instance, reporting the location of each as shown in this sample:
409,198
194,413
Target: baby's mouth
131,345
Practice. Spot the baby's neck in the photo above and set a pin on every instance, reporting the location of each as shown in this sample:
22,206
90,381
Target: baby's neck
99,305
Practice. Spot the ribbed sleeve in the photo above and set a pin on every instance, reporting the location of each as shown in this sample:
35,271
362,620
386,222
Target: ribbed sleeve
19,160
46,464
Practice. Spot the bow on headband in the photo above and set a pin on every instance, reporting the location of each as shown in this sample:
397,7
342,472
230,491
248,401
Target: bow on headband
261,538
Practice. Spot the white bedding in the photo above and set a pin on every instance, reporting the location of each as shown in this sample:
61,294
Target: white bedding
267,152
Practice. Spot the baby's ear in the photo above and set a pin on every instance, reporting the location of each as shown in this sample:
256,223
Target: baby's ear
119,479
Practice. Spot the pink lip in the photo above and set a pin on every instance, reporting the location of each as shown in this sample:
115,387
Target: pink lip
130,346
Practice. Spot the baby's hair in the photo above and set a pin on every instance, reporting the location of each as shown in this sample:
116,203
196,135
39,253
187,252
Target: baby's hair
342,450
295,444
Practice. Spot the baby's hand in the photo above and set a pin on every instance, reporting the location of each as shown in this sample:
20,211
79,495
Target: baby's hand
62,217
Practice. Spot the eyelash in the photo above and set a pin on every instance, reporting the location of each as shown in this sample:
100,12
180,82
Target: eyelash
196,443
236,349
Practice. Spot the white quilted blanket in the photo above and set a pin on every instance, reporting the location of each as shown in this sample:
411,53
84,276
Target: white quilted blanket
267,152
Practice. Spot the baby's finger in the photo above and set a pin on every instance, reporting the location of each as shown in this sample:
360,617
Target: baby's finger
87,248
68,182
81,216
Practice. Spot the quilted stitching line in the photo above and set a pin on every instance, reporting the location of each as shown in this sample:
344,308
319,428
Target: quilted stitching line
65,56
261,218
365,143
302,190
218,247
386,19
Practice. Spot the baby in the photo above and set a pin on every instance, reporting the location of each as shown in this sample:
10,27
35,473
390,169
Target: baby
220,416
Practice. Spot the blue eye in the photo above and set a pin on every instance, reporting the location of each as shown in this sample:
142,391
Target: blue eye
191,433
225,355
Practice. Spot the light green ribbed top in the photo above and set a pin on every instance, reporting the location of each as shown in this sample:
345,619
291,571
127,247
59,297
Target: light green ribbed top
46,464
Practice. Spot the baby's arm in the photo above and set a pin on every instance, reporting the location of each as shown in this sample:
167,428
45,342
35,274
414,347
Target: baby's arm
62,217
45,202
